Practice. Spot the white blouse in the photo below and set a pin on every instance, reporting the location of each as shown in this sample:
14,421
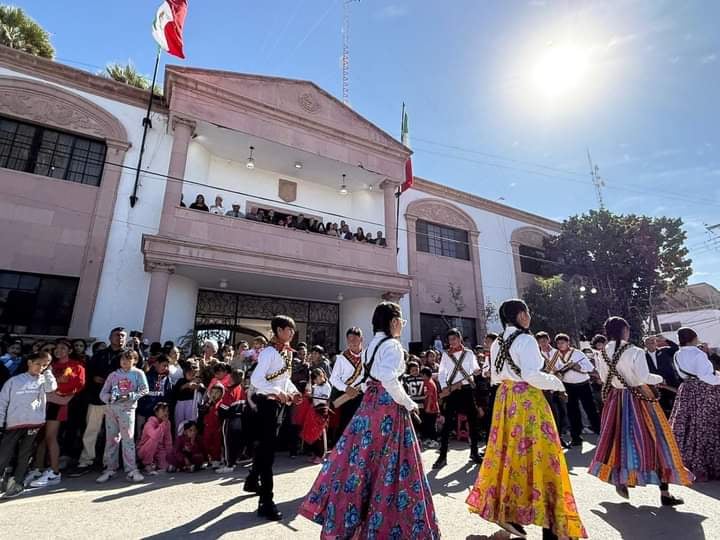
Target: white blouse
525,352
388,367
632,365
692,360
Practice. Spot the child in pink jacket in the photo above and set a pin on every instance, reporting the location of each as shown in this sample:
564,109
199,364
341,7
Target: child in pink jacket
156,441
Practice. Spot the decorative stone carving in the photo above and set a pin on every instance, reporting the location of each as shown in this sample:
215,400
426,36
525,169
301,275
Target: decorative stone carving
309,102
392,296
157,266
440,212
44,104
287,190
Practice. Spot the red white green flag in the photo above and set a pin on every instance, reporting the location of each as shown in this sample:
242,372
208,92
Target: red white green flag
405,139
168,26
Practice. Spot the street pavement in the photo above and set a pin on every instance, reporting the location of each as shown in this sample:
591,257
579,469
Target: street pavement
206,505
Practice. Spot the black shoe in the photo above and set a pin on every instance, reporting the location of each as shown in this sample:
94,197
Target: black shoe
548,534
440,463
514,529
670,500
565,444
476,457
77,472
251,485
269,511
577,441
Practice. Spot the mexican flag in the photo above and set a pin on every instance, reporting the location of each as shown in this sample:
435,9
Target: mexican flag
405,139
168,26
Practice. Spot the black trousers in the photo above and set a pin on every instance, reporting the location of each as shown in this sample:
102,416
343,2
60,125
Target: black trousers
428,430
577,394
461,401
232,433
558,408
269,419
347,411
20,442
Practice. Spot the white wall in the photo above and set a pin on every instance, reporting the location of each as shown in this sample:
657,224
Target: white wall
123,283
357,312
179,307
236,183
706,322
496,259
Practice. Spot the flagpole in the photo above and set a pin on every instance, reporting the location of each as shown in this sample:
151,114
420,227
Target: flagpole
398,191
147,124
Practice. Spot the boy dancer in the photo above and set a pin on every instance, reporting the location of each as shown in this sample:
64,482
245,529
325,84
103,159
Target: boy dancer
347,376
273,391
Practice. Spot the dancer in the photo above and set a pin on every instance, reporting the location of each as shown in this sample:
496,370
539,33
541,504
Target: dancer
346,378
458,366
557,400
695,418
636,446
524,478
273,390
372,485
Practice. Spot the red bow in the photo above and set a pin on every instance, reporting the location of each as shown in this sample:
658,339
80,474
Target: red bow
458,348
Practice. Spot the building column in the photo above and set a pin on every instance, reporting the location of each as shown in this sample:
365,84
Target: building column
389,190
157,297
99,232
411,222
481,328
183,130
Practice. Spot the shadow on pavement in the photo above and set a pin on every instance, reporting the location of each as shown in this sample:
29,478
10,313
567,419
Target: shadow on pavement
711,489
460,481
652,521
238,521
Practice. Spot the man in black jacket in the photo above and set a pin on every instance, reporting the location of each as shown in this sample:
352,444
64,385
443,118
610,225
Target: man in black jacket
659,353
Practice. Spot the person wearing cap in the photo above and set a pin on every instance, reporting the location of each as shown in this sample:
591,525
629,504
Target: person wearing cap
235,212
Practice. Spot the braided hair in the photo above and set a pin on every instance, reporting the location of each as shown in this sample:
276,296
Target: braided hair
509,311
614,329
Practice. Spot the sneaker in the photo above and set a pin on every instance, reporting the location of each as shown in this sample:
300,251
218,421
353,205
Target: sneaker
31,475
151,471
215,464
13,489
105,476
225,470
135,476
48,478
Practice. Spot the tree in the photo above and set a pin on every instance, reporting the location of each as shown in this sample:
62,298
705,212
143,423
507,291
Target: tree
630,260
126,74
557,306
21,32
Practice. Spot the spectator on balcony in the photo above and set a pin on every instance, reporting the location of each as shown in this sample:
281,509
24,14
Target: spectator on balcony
199,204
182,203
301,223
282,223
332,230
379,240
369,239
253,214
235,212
218,209
313,226
359,235
271,218
261,216
321,228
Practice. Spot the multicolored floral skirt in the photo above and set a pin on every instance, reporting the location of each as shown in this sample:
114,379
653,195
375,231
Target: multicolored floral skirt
372,484
695,422
524,478
636,446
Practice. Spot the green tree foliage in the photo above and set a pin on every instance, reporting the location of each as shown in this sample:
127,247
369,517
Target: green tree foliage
126,74
21,32
631,260
556,306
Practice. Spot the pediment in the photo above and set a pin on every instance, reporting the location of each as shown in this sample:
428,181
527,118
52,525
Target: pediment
297,97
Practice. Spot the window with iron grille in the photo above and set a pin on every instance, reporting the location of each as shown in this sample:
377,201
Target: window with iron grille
36,303
49,152
441,240
670,326
532,261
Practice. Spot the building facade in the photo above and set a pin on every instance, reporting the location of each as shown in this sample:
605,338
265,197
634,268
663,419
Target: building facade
78,259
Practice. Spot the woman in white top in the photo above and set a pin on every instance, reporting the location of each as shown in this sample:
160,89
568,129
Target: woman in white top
695,418
524,479
636,446
372,485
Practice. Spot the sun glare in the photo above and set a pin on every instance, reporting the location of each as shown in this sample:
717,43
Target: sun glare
560,70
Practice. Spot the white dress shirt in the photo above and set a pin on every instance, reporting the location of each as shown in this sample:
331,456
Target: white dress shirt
217,210
388,367
692,360
343,370
271,361
571,357
447,367
549,355
321,394
525,352
653,356
632,365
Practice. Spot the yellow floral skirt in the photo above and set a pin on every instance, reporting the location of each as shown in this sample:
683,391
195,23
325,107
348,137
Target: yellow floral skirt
524,478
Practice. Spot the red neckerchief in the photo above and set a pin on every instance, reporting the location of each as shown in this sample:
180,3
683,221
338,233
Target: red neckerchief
453,350
282,347
353,358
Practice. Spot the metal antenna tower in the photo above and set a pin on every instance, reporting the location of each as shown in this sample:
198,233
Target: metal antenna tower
346,51
597,181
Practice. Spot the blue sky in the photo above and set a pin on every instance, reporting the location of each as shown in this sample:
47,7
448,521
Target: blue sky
488,112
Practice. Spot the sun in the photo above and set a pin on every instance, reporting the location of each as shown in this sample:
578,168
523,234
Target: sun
560,71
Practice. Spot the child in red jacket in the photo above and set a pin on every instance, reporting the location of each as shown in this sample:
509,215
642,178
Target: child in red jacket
188,453
212,430
431,409
231,411
156,441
